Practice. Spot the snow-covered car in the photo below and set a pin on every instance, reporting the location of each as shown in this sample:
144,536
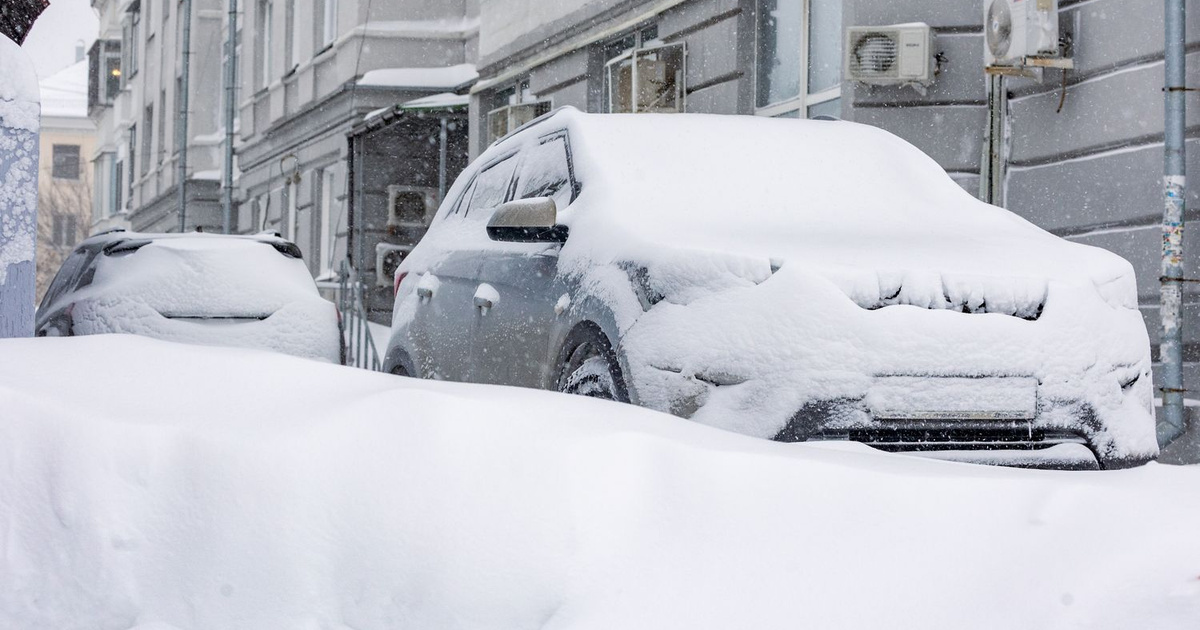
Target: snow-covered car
795,280
245,291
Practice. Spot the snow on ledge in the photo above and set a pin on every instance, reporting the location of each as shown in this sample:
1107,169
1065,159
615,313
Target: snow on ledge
445,100
444,78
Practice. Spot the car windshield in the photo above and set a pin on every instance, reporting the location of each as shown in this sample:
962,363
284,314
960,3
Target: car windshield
606,314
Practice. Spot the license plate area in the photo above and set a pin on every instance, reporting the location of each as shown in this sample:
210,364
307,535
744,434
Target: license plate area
953,398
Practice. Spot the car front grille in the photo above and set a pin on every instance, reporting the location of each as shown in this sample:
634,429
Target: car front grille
953,435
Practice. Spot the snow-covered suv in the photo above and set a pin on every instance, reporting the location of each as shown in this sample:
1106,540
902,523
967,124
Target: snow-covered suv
247,291
796,280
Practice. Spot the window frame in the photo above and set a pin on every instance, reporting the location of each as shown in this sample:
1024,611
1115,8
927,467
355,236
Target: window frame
804,100
632,54
55,162
547,138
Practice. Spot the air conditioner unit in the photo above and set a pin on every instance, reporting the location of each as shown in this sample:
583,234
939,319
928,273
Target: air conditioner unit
1016,29
900,54
387,257
503,120
411,206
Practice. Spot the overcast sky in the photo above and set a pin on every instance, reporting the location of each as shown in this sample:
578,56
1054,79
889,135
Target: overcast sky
61,27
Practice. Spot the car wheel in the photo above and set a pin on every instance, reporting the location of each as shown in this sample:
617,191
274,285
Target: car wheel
592,369
400,370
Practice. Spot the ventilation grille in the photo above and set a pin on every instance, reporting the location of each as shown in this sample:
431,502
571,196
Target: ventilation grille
875,55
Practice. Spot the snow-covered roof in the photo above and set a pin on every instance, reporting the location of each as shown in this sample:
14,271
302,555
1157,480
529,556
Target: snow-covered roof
65,94
440,78
445,100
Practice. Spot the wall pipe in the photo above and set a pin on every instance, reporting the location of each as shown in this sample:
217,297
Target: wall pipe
1171,425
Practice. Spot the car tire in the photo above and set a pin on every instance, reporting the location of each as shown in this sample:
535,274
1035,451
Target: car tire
591,368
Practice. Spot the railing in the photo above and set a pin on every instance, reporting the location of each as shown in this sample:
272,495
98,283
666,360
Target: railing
361,350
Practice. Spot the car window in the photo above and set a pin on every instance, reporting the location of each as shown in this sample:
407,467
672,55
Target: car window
546,172
67,276
491,185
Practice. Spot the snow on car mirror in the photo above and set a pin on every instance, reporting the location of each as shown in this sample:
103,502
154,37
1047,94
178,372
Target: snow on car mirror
124,247
527,221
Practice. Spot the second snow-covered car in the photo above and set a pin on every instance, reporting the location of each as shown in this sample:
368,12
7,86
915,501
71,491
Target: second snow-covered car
246,291
794,280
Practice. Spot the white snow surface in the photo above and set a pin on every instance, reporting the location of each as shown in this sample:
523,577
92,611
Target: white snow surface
164,290
183,487
443,78
439,101
800,261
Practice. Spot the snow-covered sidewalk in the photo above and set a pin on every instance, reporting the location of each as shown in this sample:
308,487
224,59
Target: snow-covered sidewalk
150,485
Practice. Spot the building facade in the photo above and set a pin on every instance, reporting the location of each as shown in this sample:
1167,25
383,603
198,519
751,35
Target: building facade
65,187
310,72
135,81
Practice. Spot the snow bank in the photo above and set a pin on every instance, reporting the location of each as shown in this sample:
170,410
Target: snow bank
304,495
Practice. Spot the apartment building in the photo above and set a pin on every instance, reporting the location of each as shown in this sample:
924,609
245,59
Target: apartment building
135,80
311,71
65,191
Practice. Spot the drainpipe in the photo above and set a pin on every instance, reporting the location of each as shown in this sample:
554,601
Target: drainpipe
230,114
442,137
181,129
1172,423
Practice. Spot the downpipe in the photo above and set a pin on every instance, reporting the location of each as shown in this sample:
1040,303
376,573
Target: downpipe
1172,424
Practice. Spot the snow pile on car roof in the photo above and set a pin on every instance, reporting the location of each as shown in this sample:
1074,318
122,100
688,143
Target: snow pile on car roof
833,195
303,495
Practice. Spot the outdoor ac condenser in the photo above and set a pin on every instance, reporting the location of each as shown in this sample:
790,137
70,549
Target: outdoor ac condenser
1016,29
899,54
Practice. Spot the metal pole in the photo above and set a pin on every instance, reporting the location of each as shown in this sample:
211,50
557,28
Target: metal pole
442,137
991,175
230,115
181,127
19,133
1171,425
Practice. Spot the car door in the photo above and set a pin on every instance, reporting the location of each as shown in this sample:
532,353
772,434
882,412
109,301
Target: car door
512,344
445,320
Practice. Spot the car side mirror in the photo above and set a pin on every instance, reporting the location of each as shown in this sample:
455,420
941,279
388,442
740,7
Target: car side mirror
527,221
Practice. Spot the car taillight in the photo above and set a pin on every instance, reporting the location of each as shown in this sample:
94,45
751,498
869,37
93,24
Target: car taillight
399,278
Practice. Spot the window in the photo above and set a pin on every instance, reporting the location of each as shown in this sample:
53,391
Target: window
64,230
326,19
129,40
66,161
118,184
147,126
324,247
290,54
798,66
266,23
546,172
490,187
162,126
642,75
132,158
104,73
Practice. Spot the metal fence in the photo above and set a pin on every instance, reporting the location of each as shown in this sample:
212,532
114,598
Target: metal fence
361,350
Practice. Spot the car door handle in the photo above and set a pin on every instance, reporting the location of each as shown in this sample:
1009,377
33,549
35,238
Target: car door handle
424,293
483,302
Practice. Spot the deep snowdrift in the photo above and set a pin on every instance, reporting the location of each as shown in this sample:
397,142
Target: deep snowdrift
151,485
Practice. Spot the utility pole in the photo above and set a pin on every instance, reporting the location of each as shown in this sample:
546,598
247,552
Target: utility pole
230,114
181,127
1171,425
